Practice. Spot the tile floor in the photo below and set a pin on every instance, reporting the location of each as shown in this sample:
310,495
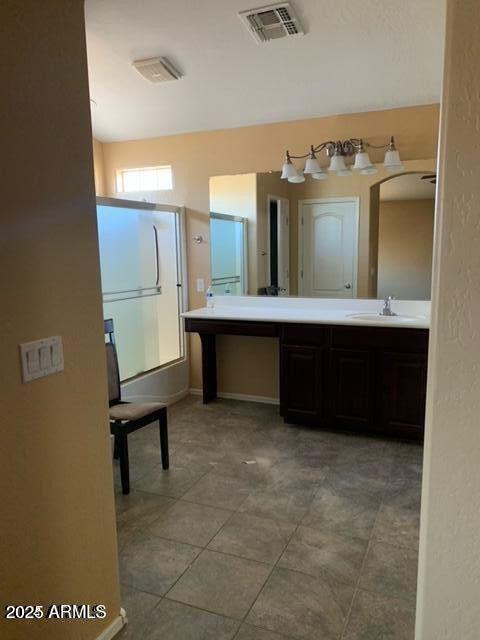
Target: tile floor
267,531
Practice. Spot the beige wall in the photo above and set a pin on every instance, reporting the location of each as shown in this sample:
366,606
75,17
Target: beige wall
237,196
57,527
405,246
196,157
449,588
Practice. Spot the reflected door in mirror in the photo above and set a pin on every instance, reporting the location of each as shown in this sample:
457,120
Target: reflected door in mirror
328,244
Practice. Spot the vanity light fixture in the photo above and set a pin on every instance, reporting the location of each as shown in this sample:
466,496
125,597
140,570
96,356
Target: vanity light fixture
338,151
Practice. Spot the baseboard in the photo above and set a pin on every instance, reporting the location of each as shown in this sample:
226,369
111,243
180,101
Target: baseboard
168,400
240,396
114,627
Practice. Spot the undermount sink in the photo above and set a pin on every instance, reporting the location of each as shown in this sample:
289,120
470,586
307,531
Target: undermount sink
377,317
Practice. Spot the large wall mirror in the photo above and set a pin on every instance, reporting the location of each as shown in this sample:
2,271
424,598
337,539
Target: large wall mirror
345,237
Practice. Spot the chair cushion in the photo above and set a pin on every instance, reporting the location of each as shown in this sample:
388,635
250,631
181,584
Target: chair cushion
134,410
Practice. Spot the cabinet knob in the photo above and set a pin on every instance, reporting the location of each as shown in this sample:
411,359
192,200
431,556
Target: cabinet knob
348,285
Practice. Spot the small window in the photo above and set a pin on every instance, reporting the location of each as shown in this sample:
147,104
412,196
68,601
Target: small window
145,179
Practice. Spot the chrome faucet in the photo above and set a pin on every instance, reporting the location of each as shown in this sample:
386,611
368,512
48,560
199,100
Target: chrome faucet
386,311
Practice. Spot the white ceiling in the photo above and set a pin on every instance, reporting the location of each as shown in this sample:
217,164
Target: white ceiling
409,186
357,55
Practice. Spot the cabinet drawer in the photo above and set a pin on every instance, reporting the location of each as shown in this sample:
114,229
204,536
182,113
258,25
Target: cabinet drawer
231,327
411,340
312,334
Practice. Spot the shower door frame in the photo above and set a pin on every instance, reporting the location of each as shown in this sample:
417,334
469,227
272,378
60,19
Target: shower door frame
182,289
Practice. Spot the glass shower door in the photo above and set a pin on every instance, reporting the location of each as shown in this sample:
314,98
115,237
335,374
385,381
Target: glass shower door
169,304
141,279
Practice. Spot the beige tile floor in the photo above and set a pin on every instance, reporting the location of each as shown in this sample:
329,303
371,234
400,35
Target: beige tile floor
315,538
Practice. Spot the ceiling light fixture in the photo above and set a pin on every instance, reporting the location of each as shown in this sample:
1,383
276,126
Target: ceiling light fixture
338,151
158,69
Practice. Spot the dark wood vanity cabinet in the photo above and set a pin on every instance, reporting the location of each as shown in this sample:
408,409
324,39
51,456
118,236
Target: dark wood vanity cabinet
366,379
357,378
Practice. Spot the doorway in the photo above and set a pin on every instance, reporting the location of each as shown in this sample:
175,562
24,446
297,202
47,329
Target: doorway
278,274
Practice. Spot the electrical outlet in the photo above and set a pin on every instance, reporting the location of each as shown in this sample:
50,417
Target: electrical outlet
200,285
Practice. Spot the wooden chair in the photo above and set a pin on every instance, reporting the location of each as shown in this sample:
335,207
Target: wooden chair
126,417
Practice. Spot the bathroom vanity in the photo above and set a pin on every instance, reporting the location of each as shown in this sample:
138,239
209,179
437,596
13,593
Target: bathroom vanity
342,365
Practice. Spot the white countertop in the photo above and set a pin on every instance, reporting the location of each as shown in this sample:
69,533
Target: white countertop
315,311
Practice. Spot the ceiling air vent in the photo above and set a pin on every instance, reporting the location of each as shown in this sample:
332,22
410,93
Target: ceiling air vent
272,22
157,69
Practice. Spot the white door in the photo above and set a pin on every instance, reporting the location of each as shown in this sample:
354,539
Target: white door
329,248
283,230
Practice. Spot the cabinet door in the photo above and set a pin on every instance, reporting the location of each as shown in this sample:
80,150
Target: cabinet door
350,387
403,391
300,381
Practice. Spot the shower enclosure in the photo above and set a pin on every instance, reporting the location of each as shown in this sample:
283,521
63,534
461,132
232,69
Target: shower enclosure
141,260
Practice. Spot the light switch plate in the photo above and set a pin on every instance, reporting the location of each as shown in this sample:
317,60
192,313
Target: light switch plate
41,358
200,285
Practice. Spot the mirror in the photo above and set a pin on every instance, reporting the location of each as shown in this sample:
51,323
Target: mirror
344,237
405,237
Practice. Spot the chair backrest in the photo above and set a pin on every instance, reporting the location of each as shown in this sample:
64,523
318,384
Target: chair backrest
114,393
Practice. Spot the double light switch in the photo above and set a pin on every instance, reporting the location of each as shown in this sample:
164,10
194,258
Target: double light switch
41,358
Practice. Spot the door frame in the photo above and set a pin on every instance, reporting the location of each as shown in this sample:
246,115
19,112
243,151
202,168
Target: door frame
355,200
